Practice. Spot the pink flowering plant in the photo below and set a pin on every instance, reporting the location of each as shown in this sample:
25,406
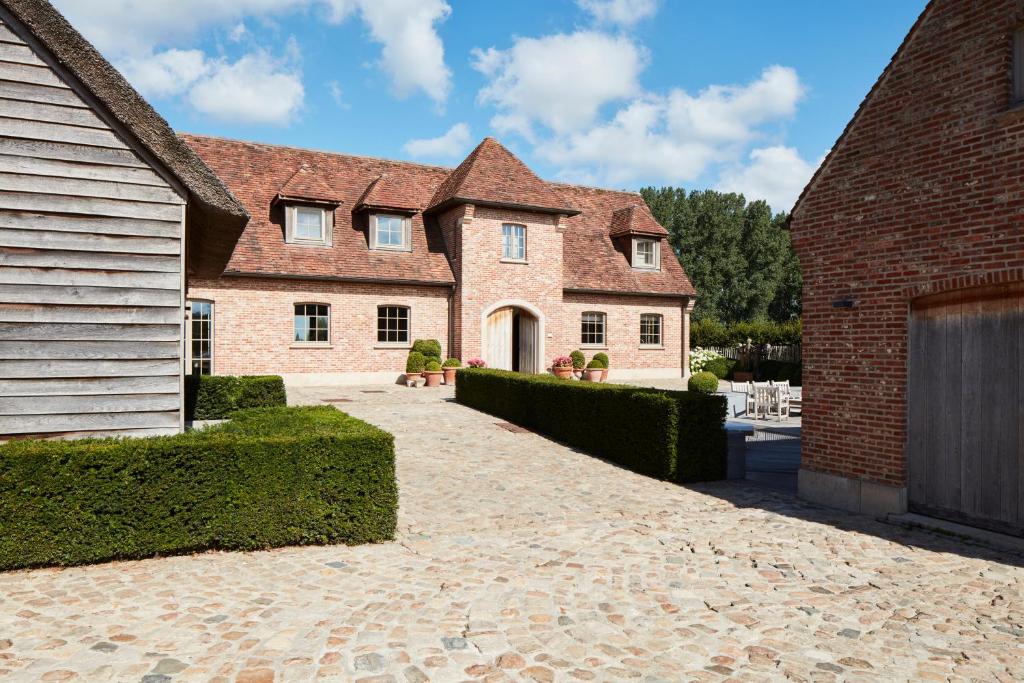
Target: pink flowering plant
476,363
562,362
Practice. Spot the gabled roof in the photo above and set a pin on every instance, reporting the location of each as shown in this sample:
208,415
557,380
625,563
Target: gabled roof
307,183
636,220
493,176
388,191
217,218
863,104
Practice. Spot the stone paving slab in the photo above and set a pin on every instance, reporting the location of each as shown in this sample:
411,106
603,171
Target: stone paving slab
520,559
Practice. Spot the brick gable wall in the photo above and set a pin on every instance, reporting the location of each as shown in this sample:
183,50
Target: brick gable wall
923,194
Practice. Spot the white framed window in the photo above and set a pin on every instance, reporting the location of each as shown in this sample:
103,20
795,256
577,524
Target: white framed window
513,242
390,232
312,324
201,340
592,331
309,225
393,325
646,254
650,329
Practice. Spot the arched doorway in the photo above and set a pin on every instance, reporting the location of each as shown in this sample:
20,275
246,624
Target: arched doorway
512,337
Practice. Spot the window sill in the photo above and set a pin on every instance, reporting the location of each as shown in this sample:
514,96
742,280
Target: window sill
652,347
644,269
303,243
515,261
311,345
1012,113
392,250
594,347
396,345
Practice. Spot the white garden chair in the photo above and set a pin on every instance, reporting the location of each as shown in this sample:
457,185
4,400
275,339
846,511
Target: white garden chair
762,399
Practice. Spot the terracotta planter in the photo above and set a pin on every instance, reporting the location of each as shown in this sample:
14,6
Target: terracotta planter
433,377
592,374
412,376
449,376
604,374
562,373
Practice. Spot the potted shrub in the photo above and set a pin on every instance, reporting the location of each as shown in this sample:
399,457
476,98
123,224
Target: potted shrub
433,373
477,363
430,348
603,357
414,366
579,361
449,367
703,383
561,366
593,371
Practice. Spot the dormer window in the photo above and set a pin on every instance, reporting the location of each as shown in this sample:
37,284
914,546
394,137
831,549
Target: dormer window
308,225
390,232
646,255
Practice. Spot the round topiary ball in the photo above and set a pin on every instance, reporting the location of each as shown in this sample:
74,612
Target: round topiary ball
433,366
703,383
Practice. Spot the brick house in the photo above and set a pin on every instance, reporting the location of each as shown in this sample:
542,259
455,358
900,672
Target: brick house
911,239
346,260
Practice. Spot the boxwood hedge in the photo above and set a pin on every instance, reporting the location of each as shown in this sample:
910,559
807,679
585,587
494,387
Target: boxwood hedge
673,435
267,478
214,397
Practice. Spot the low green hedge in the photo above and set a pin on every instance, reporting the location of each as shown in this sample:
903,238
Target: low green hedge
703,382
673,435
780,371
721,367
706,333
268,478
214,397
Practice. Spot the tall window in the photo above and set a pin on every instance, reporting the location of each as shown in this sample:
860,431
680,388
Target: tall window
650,329
202,337
389,232
309,224
513,242
593,329
645,254
312,323
1018,66
392,325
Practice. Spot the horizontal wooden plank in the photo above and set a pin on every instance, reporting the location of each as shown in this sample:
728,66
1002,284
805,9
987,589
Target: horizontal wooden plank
70,241
99,434
104,296
36,369
10,163
28,73
69,151
33,313
89,332
82,187
20,54
53,113
93,225
56,132
77,350
168,384
90,278
8,36
56,203
111,403
88,260
32,92
34,424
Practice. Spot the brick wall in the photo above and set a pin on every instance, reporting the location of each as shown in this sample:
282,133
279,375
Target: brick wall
923,195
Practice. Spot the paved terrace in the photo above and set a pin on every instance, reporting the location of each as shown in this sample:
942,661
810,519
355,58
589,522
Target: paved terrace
520,559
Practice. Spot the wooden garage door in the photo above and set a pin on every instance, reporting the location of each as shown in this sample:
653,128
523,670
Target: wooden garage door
965,407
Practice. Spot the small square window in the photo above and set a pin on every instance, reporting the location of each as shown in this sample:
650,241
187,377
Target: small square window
650,329
392,325
309,224
592,332
645,254
390,232
312,323
513,242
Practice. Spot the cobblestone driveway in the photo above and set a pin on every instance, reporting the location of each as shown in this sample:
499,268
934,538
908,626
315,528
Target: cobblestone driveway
519,559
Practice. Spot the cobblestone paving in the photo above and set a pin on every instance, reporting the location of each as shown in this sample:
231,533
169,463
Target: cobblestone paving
519,559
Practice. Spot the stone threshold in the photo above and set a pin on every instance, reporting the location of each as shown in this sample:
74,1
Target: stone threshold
972,534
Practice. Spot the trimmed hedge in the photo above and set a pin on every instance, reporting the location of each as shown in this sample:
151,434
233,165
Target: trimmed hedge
703,382
267,478
780,371
214,397
673,435
720,367
430,348
710,333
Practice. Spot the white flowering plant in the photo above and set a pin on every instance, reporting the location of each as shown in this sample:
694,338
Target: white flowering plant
699,359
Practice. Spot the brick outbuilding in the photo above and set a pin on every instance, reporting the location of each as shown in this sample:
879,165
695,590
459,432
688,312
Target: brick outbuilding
911,240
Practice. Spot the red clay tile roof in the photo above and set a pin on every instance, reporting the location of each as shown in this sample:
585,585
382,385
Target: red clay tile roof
388,191
636,220
493,176
307,183
256,172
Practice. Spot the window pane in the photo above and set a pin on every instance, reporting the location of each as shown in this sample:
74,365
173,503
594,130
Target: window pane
650,329
390,231
312,323
592,329
309,224
393,324
202,337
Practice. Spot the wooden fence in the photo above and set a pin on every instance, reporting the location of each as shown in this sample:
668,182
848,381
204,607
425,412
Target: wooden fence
792,353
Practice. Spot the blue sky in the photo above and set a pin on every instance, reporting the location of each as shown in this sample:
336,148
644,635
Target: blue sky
742,96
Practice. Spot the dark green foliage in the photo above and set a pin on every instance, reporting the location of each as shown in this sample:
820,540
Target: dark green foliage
268,478
780,371
430,348
433,366
706,333
416,362
452,363
666,434
579,361
595,363
720,367
737,254
215,397
703,382
602,358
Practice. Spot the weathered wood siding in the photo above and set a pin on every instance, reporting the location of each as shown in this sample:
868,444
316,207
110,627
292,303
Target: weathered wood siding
91,253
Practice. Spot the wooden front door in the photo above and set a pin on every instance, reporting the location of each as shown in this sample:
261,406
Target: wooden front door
965,412
498,339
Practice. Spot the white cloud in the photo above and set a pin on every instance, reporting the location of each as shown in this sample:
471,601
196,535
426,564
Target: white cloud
560,81
167,73
620,12
775,174
238,32
452,144
336,93
255,89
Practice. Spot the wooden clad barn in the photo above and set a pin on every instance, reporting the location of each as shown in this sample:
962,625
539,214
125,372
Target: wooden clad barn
100,206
